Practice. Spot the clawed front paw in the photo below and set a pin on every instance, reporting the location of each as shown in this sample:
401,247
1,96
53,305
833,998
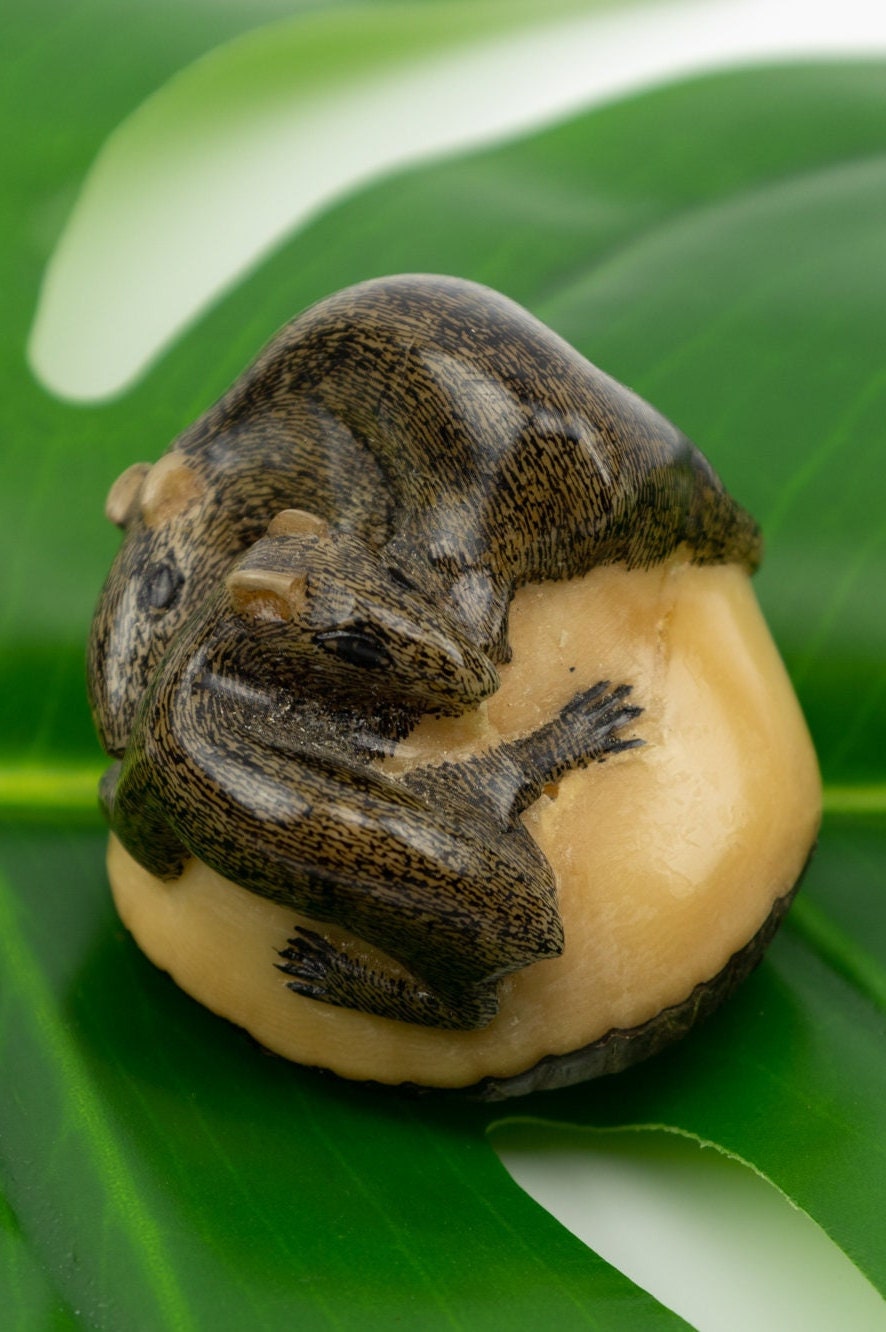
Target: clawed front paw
596,717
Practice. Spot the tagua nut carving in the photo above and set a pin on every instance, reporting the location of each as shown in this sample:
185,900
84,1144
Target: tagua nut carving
451,746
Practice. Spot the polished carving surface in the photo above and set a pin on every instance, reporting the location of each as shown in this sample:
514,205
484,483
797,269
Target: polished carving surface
330,553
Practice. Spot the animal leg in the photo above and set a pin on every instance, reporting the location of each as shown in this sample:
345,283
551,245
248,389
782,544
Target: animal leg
587,729
497,786
335,974
339,840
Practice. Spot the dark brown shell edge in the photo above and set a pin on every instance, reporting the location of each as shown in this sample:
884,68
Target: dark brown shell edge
617,1050
620,1048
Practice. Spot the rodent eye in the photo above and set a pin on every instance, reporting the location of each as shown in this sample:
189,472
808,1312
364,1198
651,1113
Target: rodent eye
161,587
356,648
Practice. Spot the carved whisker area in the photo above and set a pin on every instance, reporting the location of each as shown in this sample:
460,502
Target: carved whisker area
442,705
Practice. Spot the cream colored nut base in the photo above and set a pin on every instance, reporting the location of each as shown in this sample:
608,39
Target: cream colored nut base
668,858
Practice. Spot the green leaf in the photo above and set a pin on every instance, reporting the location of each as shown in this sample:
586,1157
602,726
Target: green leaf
790,1076
717,245
311,104
168,1174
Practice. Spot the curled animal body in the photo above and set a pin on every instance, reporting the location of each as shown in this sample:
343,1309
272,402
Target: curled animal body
253,751
471,448
380,620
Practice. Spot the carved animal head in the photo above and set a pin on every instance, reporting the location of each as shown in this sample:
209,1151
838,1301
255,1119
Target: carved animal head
328,613
430,415
162,571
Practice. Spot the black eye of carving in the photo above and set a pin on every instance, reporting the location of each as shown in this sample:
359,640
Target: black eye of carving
356,648
162,584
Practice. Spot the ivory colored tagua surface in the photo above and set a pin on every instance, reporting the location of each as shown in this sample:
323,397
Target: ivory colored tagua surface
668,857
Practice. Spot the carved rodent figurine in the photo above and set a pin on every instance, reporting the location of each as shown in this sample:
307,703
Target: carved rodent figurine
330,554
465,443
253,750
443,448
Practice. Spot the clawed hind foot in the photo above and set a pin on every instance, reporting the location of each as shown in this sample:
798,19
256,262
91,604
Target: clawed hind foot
337,974
489,791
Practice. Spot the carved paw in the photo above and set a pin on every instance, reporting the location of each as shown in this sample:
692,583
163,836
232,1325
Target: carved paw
596,718
311,962
329,973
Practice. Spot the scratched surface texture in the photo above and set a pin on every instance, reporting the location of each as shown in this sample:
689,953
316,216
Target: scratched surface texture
717,246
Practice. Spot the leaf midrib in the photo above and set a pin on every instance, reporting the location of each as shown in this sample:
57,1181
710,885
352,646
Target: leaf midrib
60,791
58,787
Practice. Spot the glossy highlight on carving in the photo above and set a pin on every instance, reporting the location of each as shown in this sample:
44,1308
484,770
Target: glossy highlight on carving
329,555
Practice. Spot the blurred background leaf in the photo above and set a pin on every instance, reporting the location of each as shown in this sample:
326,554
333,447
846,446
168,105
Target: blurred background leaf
718,246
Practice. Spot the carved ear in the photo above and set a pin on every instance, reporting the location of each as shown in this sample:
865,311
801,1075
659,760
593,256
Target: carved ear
124,494
298,522
267,594
170,486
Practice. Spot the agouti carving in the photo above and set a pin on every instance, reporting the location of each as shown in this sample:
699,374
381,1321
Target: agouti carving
433,448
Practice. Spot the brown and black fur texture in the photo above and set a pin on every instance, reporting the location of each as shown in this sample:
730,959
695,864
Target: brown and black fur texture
441,448
470,447
253,750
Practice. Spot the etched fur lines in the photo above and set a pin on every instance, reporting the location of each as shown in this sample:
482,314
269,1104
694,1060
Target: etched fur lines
329,554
